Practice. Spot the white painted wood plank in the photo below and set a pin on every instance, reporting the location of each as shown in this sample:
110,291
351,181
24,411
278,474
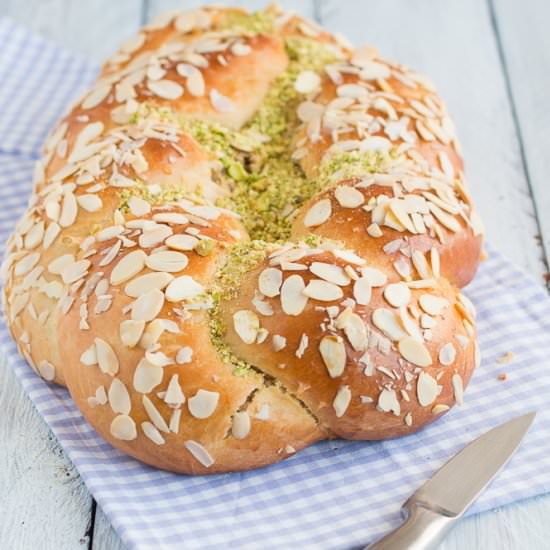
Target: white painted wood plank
454,44
304,7
525,40
105,537
94,29
43,502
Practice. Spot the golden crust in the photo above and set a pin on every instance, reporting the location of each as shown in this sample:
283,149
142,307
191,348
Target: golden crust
188,348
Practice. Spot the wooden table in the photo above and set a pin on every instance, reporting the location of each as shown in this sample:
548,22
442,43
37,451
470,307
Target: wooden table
491,62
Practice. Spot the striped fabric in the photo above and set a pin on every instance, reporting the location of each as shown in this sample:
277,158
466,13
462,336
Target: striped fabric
333,495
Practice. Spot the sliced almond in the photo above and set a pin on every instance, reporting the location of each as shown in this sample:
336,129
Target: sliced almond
348,197
174,395
89,356
415,352
270,281
148,305
330,273
240,426
152,433
397,294
130,332
293,299
127,267
183,288
362,291
307,82
333,352
154,415
123,427
106,357
427,389
147,376
119,398
247,325
145,283
203,403
168,261
199,453
341,401
433,305
182,242
389,323
447,354
354,328
458,389
318,214
166,89
388,402
323,290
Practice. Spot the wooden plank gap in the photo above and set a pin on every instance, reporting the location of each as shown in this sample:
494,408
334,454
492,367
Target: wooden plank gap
91,529
517,126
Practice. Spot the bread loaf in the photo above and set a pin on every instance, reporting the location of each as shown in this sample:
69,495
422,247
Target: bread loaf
248,237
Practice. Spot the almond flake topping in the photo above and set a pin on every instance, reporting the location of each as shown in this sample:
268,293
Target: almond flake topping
123,427
154,415
106,357
199,453
96,96
119,398
183,243
148,305
362,291
133,43
90,203
397,294
130,332
240,427
341,401
139,207
427,389
318,214
270,281
387,402
184,355
46,370
323,290
389,323
354,329
166,89
203,403
128,267
330,273
333,352
415,352
348,197
174,395
152,433
144,283
183,288
167,260
89,356
247,325
293,299
447,354
221,103
458,389
147,376
307,82
433,305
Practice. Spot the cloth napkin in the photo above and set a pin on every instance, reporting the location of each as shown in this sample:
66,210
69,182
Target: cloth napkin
335,494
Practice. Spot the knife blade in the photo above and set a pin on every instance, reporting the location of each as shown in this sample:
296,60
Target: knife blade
435,507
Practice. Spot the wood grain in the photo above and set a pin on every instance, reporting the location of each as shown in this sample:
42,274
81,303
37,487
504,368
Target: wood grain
94,29
525,44
43,502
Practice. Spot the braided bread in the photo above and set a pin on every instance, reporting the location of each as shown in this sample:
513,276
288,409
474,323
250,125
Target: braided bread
248,237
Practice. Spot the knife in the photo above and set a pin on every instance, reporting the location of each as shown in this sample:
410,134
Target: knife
436,506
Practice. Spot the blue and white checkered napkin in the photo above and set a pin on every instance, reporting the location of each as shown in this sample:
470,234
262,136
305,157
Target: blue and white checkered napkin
333,495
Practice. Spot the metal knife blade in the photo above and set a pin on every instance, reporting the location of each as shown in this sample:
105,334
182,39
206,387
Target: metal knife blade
456,484
437,505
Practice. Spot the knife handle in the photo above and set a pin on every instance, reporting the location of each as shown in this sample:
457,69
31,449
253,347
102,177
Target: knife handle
423,529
